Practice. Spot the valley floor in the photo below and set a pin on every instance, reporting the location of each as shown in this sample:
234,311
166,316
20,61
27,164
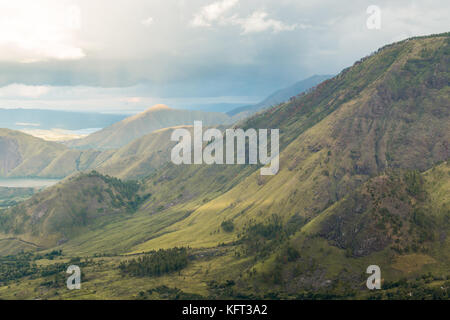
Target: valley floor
215,273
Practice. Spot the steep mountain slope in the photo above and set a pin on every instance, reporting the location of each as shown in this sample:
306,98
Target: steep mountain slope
142,156
22,155
399,221
387,111
55,213
279,96
404,210
156,117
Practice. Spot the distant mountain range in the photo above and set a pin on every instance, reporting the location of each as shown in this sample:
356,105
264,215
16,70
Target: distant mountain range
279,96
140,157
154,118
25,156
67,125
49,119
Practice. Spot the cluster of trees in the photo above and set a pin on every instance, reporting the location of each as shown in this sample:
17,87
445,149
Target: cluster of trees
164,292
156,263
225,290
50,255
16,267
8,203
126,188
261,238
414,183
420,288
53,269
122,193
227,225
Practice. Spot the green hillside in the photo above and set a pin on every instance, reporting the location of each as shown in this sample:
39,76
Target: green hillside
398,221
142,156
57,213
333,140
26,156
280,96
154,118
364,179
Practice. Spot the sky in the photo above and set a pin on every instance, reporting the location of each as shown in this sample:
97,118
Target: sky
124,56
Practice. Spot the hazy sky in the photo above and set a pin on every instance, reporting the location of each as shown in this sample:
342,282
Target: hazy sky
125,55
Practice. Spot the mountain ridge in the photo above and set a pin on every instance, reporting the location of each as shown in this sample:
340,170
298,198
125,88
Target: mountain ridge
136,126
279,96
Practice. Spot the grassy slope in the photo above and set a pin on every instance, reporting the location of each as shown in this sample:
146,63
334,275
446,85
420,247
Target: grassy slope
26,156
142,156
59,212
388,111
319,264
278,97
337,254
156,117
334,139
357,140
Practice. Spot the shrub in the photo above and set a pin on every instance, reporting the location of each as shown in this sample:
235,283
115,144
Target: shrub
227,226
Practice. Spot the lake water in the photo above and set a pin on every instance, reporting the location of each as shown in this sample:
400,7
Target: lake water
27,183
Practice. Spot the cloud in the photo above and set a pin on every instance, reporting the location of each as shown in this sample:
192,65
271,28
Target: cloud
116,100
247,50
23,91
258,22
133,99
148,21
213,12
33,31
